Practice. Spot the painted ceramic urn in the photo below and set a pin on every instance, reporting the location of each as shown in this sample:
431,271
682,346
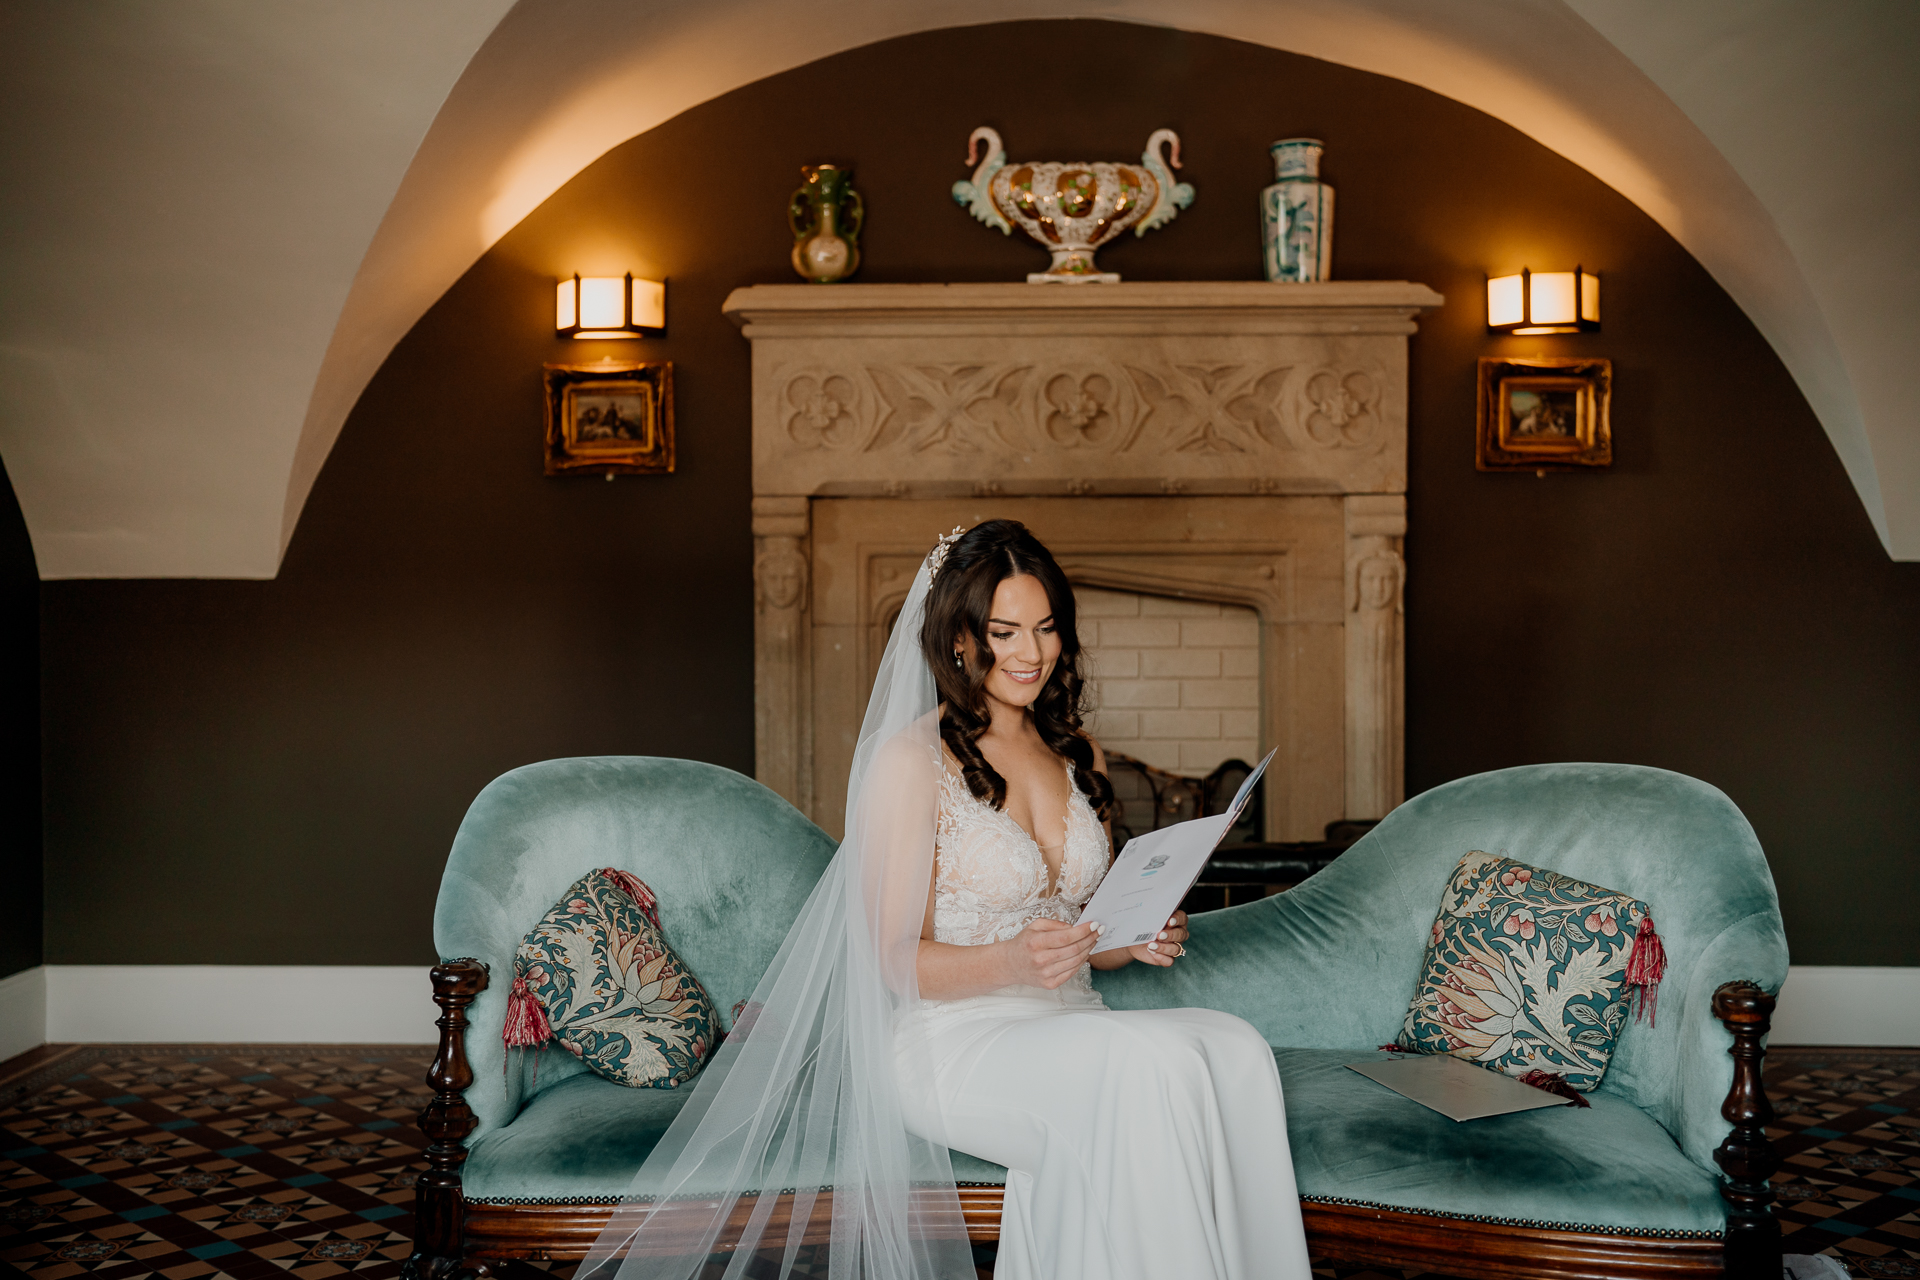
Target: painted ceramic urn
1074,207
1296,215
825,214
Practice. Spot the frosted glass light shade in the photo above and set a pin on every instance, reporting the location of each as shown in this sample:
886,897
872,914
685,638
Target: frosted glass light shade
1544,302
649,303
1506,302
609,307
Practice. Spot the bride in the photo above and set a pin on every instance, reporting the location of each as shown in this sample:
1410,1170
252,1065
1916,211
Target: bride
934,995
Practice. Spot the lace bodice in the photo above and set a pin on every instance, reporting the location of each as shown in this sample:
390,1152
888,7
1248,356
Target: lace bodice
992,878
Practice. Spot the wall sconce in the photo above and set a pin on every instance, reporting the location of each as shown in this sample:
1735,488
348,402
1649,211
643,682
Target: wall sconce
1544,302
609,307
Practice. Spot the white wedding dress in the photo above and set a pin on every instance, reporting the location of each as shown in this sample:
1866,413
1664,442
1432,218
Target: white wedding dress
1146,1144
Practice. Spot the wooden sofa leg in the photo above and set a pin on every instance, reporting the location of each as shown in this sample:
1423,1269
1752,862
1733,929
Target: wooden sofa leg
439,1212
1747,1158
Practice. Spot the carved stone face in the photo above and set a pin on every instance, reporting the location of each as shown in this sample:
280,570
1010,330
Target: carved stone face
1379,579
781,576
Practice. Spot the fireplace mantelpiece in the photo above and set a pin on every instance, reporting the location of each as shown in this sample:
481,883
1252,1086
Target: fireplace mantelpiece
1247,440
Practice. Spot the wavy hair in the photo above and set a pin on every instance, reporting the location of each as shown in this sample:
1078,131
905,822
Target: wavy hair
958,603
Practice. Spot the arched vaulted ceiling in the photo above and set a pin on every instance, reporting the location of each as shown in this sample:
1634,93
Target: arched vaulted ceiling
222,215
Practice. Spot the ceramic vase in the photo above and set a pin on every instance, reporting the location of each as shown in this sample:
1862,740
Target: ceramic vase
1296,215
825,214
1074,207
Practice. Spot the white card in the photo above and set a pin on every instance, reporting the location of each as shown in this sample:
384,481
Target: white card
1144,886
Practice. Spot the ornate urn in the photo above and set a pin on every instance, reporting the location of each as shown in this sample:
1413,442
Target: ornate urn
1072,208
825,214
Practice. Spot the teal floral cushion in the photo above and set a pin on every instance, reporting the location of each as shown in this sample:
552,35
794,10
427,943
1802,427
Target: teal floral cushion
1526,970
597,977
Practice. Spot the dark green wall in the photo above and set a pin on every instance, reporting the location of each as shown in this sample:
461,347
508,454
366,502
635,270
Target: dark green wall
20,852
271,772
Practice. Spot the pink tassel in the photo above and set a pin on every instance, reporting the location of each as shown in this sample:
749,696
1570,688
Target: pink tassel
1646,965
635,888
1556,1085
527,1023
1393,1048
745,1014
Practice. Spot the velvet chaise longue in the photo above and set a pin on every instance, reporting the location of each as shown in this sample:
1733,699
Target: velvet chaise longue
1664,1175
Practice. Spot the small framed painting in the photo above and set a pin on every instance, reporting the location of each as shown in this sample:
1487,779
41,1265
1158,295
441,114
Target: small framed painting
610,418
1544,414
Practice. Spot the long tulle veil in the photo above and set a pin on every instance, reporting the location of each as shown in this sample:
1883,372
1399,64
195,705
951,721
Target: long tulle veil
802,1100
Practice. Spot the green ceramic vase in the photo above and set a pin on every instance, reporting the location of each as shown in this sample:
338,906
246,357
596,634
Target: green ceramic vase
825,214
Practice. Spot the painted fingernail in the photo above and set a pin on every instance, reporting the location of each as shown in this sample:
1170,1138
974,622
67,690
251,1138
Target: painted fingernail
1153,946
1163,935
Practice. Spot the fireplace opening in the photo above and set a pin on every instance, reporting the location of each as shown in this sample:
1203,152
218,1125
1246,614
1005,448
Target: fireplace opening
1172,683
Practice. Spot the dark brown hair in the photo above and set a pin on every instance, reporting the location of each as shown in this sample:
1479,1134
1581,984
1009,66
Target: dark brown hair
958,603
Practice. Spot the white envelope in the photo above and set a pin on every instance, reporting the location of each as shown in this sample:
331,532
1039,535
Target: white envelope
1457,1090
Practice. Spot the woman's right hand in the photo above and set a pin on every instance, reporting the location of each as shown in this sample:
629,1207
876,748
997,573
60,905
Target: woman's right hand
1047,952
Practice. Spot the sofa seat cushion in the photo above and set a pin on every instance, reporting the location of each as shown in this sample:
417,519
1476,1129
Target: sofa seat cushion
584,1137
1608,1167
1611,1166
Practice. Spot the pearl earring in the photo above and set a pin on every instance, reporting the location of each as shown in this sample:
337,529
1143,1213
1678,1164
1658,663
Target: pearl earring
956,659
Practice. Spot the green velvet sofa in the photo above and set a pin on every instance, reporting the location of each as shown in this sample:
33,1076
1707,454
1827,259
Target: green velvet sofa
529,1152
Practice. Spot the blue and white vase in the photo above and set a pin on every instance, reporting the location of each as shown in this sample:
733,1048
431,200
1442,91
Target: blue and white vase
1296,214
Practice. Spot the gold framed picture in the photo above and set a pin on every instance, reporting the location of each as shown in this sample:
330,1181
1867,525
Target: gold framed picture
610,418
1543,414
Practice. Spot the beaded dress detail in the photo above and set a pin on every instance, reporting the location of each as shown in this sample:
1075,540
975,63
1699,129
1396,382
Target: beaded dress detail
992,878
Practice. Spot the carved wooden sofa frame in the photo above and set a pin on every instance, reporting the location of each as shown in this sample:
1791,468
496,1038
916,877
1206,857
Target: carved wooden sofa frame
452,1237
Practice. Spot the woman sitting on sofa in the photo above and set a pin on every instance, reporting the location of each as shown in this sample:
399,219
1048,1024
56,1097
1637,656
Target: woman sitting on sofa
934,995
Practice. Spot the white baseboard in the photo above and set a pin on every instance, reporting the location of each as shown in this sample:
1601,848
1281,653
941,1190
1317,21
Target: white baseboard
368,1004
23,1011
239,1004
1849,1004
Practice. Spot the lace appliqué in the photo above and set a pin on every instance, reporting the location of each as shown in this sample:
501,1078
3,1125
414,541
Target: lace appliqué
992,878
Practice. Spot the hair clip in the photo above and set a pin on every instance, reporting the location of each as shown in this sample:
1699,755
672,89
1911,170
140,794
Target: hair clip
938,556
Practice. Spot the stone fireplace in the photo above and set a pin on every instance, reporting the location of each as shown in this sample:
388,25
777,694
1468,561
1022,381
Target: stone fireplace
1237,444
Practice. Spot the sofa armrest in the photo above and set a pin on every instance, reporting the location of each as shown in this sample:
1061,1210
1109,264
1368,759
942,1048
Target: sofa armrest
439,1244
1746,1157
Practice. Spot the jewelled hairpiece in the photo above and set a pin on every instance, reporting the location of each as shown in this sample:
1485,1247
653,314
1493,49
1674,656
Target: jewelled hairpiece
938,556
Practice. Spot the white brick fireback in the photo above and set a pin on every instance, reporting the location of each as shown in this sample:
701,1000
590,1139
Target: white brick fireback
1172,682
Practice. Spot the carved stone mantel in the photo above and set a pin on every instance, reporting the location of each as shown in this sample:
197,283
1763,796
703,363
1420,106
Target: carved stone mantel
959,402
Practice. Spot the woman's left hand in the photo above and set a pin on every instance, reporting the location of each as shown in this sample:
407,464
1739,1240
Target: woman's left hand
1168,947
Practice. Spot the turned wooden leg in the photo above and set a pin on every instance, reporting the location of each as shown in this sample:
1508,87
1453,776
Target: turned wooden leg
1747,1158
439,1218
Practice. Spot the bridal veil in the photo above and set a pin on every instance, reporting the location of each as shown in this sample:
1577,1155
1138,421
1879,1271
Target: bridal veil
802,1098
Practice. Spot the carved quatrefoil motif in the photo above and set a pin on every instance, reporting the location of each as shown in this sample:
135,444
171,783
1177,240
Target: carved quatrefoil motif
820,411
1087,410
1342,409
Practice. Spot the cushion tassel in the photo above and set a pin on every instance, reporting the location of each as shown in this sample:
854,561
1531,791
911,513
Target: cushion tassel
526,1026
1556,1085
1393,1048
526,1020
635,888
1646,965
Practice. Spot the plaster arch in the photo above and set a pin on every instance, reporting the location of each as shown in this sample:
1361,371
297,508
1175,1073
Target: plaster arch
1777,140
560,84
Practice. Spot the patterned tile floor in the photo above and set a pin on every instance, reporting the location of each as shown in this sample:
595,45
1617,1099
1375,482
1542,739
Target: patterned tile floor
122,1162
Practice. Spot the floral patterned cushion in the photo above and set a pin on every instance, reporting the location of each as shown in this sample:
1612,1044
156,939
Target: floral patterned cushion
611,991
1526,971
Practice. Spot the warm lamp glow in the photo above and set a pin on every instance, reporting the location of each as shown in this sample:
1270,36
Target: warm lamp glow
1506,302
609,307
1544,302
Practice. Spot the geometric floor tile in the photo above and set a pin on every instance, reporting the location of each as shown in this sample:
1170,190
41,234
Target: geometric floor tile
297,1162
